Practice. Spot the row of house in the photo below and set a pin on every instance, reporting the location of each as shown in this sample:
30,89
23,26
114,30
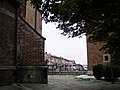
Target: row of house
61,64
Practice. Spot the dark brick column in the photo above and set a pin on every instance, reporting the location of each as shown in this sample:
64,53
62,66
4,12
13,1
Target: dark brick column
7,41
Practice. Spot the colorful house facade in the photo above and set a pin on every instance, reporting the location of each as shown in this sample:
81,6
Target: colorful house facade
61,63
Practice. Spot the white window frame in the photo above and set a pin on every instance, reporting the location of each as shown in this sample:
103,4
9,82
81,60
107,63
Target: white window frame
109,58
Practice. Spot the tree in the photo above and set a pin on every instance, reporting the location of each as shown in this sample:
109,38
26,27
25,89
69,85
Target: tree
100,19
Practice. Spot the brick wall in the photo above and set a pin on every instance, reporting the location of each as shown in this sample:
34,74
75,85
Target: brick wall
31,55
22,8
95,56
28,66
31,45
7,35
7,42
7,39
30,14
33,17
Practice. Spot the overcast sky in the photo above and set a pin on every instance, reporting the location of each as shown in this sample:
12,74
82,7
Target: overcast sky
62,46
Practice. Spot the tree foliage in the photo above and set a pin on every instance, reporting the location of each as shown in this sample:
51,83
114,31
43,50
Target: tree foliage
100,19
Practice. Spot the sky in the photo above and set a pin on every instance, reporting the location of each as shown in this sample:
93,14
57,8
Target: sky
62,46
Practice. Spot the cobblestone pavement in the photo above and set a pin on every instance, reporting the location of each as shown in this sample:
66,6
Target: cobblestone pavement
69,83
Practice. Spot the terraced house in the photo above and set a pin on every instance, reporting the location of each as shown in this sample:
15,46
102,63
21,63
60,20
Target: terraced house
57,64
21,43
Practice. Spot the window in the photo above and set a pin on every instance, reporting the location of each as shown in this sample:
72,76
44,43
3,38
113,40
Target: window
106,57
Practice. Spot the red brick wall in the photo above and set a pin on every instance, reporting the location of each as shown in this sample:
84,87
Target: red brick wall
22,8
30,55
30,49
95,56
7,38
31,15
7,43
31,46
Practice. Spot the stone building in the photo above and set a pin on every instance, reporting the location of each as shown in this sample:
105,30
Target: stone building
21,44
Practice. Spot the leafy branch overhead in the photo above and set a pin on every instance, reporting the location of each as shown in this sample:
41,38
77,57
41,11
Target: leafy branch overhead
100,19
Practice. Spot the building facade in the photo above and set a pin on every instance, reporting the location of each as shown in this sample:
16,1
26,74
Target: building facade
61,64
96,56
33,17
21,44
